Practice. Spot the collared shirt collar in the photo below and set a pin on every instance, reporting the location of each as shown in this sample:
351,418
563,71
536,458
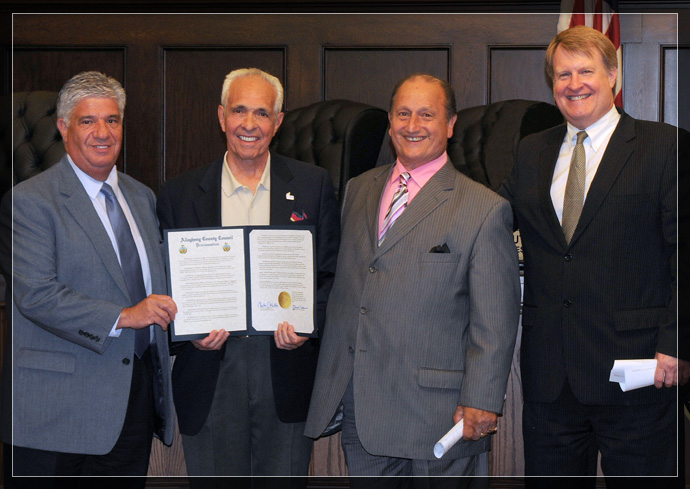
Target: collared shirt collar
230,185
91,185
598,132
421,174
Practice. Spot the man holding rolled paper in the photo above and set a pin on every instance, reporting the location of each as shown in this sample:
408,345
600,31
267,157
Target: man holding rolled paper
422,318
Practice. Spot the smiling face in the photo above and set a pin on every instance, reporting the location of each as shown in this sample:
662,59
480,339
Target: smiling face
582,87
419,128
93,136
248,120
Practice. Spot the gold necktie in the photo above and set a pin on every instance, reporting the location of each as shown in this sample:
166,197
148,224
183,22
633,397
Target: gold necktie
574,188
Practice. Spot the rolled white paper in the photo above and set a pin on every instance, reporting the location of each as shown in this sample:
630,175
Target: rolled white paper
449,439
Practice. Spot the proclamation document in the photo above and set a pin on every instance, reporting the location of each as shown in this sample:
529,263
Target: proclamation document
282,271
245,280
207,281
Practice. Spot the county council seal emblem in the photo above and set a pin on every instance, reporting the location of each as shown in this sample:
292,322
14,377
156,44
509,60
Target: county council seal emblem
226,247
183,249
284,299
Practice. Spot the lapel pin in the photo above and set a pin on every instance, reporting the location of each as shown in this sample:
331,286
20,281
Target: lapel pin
289,196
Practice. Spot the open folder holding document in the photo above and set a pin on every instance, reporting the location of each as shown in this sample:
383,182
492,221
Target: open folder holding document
245,280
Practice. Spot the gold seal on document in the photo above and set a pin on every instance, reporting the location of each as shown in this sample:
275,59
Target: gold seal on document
284,300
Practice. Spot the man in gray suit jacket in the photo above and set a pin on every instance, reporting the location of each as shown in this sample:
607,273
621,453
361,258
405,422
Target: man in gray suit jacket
600,285
422,318
86,402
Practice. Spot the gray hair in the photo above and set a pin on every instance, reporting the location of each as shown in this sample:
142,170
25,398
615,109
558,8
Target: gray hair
88,84
246,72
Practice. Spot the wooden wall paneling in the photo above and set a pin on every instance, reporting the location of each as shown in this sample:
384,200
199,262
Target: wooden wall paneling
193,80
683,94
304,78
517,72
675,102
328,458
641,80
642,61
142,152
368,75
468,73
668,96
48,68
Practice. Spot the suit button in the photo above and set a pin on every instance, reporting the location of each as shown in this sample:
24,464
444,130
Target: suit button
568,257
125,361
372,269
350,349
362,310
567,303
97,339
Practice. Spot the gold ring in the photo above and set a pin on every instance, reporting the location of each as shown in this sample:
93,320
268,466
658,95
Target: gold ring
492,431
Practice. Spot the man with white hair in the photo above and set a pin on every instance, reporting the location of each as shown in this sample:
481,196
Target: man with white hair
242,401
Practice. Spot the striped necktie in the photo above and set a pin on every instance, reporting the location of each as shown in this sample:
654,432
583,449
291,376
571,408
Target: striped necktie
397,206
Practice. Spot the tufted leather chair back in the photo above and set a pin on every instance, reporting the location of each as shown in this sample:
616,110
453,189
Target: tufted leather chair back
485,138
37,143
342,136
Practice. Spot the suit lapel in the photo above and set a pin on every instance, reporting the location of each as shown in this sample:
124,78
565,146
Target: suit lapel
207,205
80,207
547,163
140,207
617,153
431,195
281,206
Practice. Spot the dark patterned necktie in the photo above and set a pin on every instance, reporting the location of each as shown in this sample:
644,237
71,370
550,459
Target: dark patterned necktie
574,188
397,206
129,261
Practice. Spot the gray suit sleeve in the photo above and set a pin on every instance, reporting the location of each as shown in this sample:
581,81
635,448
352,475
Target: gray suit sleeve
41,243
494,286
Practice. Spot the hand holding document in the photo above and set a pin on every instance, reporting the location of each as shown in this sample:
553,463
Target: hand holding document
633,374
449,439
245,280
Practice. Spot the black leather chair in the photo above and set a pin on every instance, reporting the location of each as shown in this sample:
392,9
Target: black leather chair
342,136
37,143
486,137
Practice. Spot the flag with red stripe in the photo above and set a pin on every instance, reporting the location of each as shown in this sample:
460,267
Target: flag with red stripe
602,16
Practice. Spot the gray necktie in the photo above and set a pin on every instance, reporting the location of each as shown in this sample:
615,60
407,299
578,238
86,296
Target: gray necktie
129,261
574,188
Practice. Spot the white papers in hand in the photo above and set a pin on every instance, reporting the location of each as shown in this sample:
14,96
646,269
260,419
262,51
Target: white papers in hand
633,374
449,439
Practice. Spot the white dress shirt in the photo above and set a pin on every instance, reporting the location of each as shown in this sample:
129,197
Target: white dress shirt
598,136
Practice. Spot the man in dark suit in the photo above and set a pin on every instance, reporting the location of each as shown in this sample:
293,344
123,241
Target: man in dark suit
422,321
91,381
600,278
241,409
